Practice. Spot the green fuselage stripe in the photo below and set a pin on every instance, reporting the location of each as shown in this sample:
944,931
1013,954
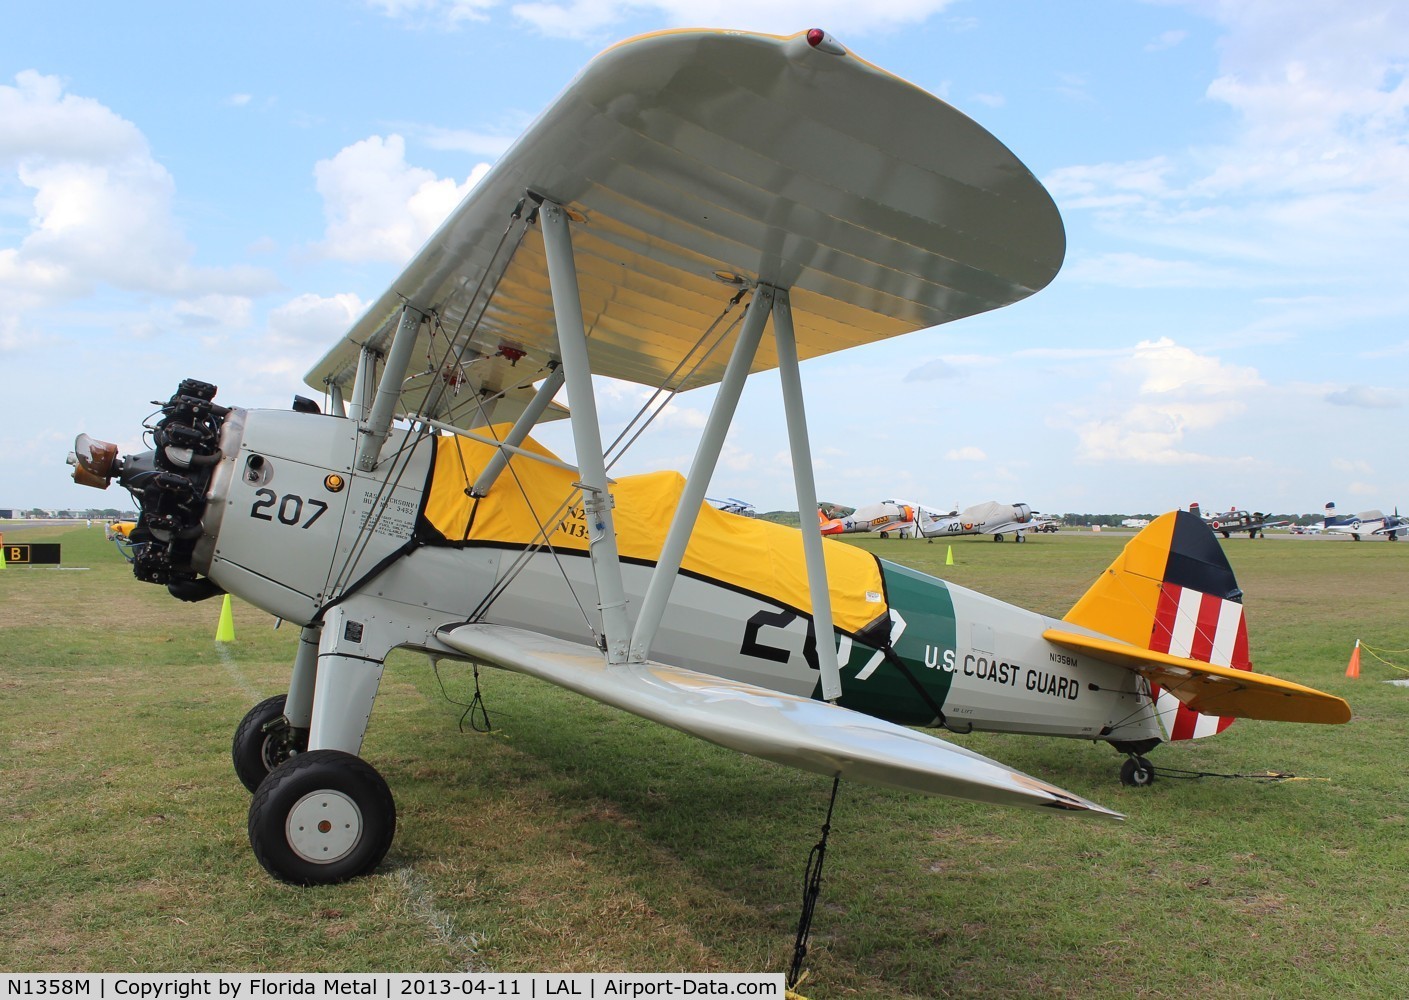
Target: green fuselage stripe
924,642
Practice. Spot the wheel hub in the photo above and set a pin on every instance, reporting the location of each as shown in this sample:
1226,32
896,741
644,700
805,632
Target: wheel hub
324,826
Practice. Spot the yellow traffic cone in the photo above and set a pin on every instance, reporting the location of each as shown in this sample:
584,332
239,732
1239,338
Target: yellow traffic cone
1353,668
225,631
949,557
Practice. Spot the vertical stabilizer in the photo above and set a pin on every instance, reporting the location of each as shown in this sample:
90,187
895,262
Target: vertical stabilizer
1171,590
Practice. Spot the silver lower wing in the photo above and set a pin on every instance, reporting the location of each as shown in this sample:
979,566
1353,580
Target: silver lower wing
800,732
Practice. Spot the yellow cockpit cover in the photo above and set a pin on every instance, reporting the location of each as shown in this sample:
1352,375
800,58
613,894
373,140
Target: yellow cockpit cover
743,553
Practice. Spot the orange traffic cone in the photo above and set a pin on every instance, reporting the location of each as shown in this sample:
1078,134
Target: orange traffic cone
1353,668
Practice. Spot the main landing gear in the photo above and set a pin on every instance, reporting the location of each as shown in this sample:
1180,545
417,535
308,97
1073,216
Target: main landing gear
324,815
317,817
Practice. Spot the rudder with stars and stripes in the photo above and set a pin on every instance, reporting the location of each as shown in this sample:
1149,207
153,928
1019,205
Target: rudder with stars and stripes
1172,591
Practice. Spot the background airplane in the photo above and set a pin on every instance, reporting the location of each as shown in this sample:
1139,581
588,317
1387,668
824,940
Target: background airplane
991,518
733,505
889,517
120,534
1231,522
1367,522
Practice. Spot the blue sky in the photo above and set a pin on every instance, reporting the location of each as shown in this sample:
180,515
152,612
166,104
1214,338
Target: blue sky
217,190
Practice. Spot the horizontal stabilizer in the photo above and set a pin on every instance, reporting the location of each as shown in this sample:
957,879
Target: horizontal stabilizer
1209,688
800,732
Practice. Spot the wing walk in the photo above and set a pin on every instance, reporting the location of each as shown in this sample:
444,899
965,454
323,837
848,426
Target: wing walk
799,732
880,208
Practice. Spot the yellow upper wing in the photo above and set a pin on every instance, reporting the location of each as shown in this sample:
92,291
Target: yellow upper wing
690,157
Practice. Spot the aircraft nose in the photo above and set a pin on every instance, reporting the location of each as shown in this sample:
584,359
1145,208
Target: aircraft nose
170,484
94,462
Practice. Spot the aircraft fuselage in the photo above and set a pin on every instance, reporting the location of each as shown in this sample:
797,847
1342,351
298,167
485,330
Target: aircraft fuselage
290,525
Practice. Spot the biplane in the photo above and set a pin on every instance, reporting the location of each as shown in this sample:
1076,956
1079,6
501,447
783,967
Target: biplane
689,191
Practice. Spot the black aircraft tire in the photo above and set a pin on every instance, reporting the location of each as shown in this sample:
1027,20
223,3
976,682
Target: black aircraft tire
322,817
1137,772
256,752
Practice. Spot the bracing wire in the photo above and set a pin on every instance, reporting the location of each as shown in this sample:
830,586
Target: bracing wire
542,538
406,450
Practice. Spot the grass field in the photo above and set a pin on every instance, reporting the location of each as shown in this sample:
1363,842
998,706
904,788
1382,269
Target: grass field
577,838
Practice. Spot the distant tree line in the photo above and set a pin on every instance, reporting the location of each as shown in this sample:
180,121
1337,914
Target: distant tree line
93,512
790,517
1114,520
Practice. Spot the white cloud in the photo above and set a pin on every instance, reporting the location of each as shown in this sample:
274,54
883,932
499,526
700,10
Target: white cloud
968,453
1164,367
465,141
1365,396
43,124
1167,40
1159,394
213,311
378,206
932,370
314,319
300,331
1131,270
100,210
435,12
1312,183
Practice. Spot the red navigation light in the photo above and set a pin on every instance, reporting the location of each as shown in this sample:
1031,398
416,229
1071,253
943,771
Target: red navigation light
819,39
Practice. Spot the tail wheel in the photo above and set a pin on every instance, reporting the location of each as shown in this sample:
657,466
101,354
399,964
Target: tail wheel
1137,772
322,817
264,740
